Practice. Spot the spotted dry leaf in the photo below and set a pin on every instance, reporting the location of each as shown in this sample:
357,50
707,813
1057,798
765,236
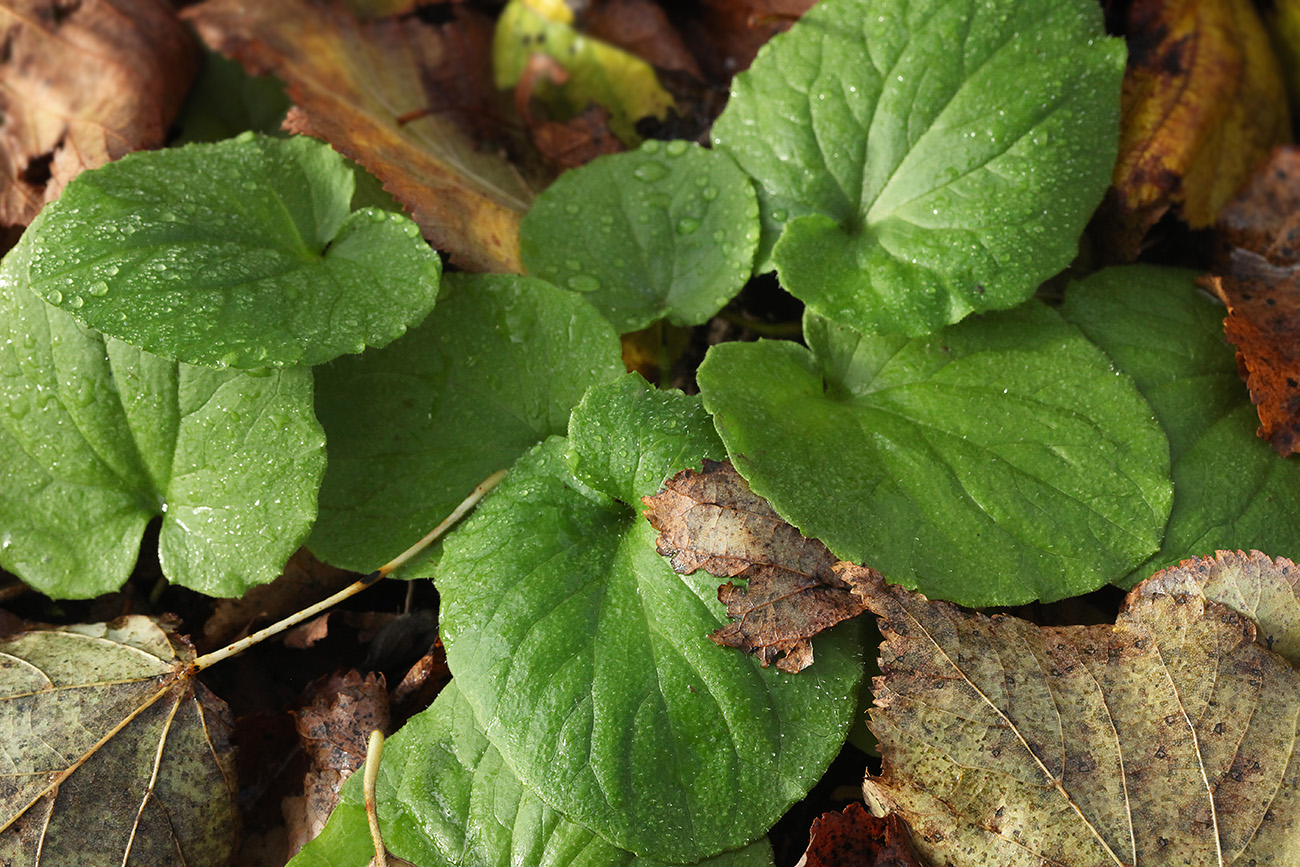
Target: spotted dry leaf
110,752
796,587
1167,738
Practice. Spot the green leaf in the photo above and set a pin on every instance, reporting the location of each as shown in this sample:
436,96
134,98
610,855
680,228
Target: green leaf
241,253
446,799
663,231
999,461
414,427
927,158
587,658
98,438
1230,489
113,753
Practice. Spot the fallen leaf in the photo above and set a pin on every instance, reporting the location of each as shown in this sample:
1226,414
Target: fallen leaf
1166,738
730,32
384,92
855,838
114,754
333,730
1263,321
1203,102
81,84
1264,217
1252,584
712,520
640,27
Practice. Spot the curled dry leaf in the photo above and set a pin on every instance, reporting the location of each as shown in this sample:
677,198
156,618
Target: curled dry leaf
796,587
1167,738
1258,278
385,93
113,753
80,85
1203,102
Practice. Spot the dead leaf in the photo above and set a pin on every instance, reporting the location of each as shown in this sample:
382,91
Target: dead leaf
1203,102
640,27
113,753
390,93
333,729
855,838
796,586
1263,324
730,32
82,84
1165,739
1252,584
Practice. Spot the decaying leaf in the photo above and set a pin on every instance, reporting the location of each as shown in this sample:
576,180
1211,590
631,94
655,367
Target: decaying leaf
1258,278
1203,102
855,837
81,84
333,730
796,588
112,753
1167,738
381,91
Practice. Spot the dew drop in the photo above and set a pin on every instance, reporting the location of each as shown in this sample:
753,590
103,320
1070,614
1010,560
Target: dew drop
75,302
650,172
676,147
99,289
584,283
56,297
651,146
710,193
687,225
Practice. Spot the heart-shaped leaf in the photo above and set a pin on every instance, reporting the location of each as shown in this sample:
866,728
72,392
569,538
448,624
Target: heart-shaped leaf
447,799
241,253
667,231
415,426
98,438
998,461
1230,489
927,158
587,659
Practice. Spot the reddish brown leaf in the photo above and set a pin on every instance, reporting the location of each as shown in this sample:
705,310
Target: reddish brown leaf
730,32
1203,102
410,101
82,84
796,586
333,730
640,27
855,838
1264,324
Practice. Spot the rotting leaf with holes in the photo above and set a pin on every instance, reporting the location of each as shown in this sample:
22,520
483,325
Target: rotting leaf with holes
924,159
1230,488
382,93
82,84
98,438
241,253
447,799
674,229
711,519
414,426
1167,738
998,461
114,754
587,659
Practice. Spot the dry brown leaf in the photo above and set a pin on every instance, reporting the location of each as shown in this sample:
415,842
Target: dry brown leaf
386,92
82,84
855,838
796,587
1167,738
333,729
1203,102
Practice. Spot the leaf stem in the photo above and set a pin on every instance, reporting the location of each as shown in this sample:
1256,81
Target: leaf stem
209,659
374,751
